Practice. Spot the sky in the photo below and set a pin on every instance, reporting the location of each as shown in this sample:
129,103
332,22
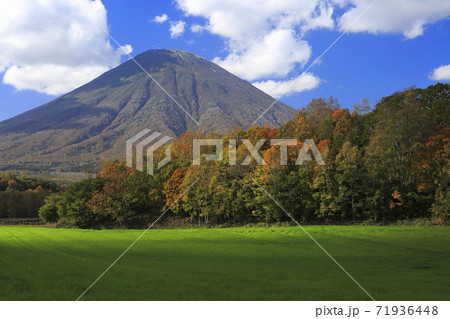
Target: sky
295,50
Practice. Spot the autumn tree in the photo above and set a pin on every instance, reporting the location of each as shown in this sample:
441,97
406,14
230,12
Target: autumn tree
128,198
173,191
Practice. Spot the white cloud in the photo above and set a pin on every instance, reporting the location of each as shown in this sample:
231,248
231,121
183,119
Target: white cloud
52,46
441,73
126,49
177,29
407,17
263,38
279,88
197,28
30,77
161,19
275,55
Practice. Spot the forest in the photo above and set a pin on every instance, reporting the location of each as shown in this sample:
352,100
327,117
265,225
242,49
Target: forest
21,197
385,164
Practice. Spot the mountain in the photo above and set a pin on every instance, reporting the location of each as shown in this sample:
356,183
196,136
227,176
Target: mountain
92,123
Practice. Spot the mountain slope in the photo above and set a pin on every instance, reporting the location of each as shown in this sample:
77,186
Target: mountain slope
92,123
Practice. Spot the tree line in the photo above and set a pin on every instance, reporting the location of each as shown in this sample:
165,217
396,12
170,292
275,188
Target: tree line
386,164
21,197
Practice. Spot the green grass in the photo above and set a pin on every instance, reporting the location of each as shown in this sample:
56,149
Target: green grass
391,263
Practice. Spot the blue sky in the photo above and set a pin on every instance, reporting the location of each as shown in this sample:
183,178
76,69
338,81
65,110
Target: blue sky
387,50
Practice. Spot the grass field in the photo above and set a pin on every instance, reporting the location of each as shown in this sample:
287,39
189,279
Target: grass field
391,263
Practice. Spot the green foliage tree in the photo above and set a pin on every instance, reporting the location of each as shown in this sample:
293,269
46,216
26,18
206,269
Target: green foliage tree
324,188
74,208
350,197
50,211
402,128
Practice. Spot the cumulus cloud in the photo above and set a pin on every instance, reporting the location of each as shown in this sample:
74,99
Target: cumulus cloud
279,88
275,55
31,77
52,46
264,39
177,29
161,19
441,73
407,17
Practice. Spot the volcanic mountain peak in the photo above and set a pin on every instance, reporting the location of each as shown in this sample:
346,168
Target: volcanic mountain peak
92,123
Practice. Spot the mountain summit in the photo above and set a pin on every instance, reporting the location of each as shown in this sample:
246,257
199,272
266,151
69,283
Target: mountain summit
92,123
